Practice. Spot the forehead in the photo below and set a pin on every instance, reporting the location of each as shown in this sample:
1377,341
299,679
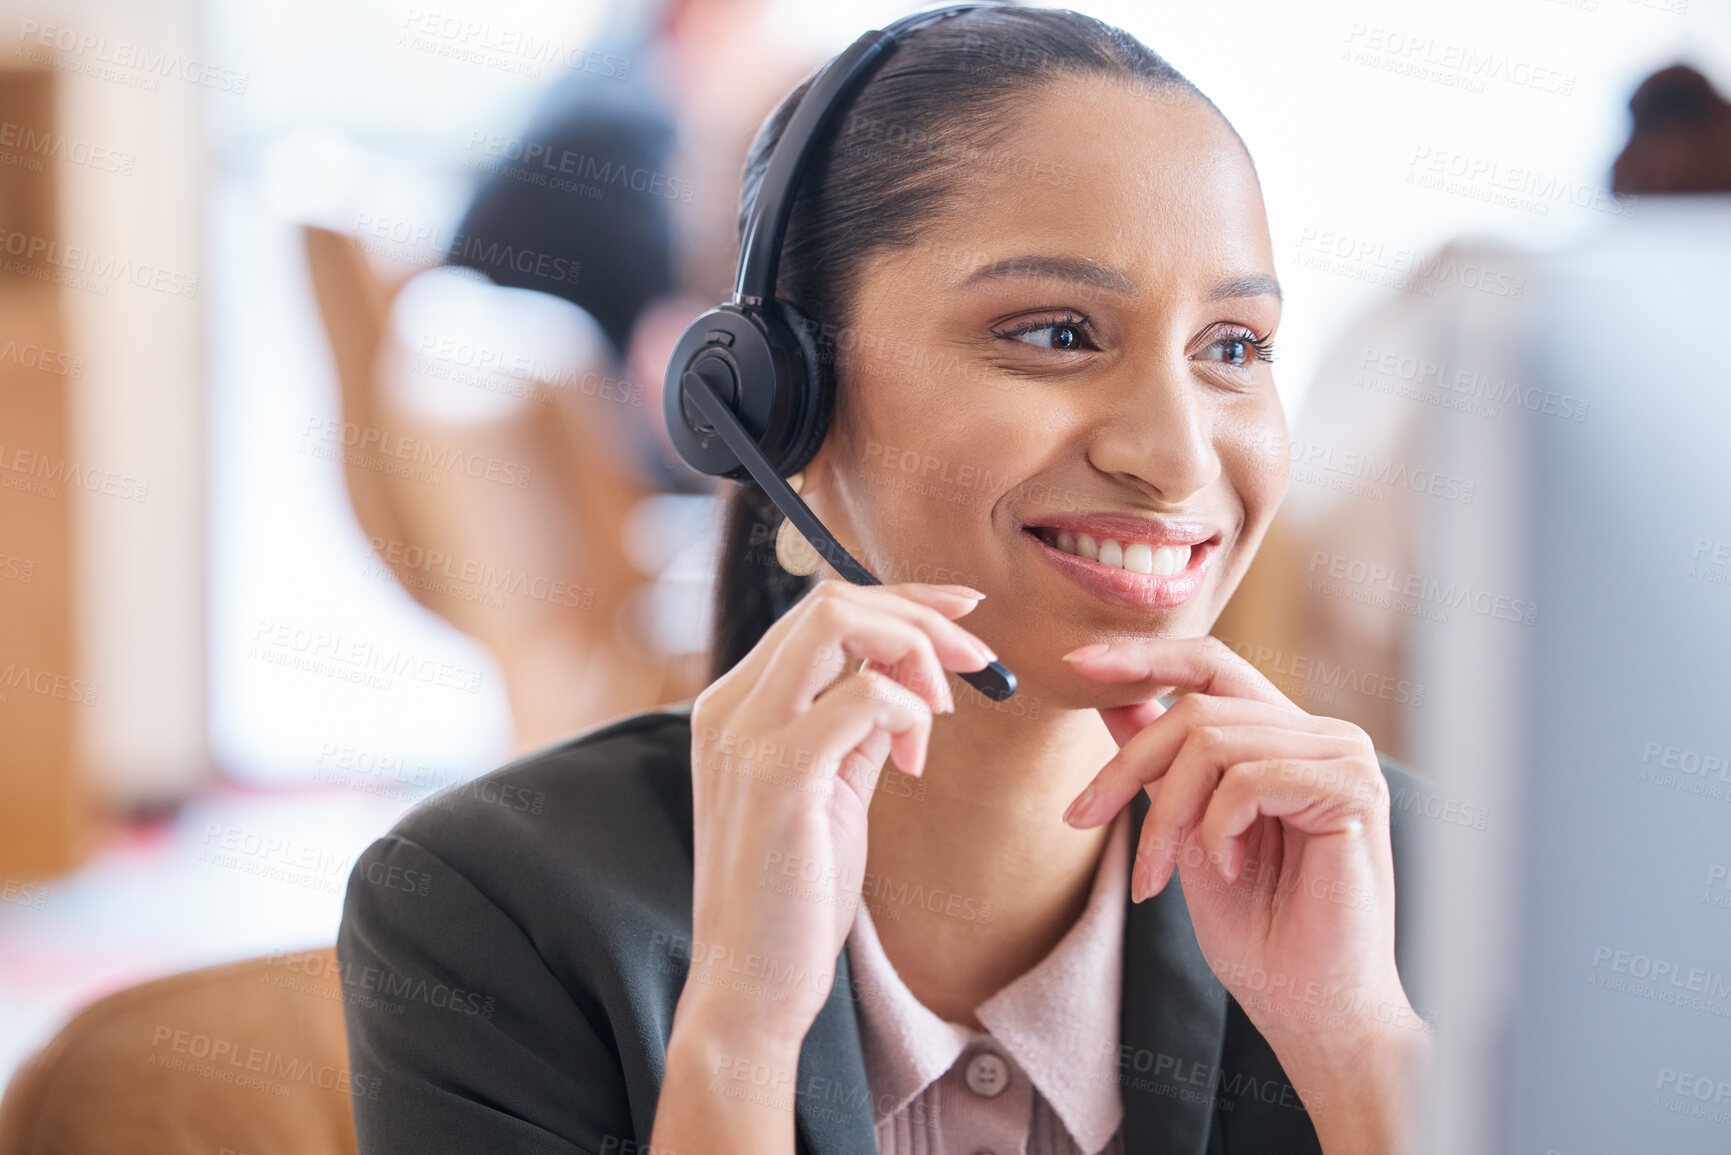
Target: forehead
1153,182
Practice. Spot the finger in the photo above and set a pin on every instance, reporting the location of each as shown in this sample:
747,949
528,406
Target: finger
850,711
1188,787
949,601
911,672
1125,722
1204,664
1311,795
1148,754
912,639
863,765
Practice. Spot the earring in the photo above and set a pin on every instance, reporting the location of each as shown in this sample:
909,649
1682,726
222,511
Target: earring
795,554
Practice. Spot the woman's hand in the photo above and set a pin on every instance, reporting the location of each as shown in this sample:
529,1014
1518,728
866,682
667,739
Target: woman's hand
1277,822
784,758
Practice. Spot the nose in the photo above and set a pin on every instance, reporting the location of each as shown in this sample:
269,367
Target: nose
1158,435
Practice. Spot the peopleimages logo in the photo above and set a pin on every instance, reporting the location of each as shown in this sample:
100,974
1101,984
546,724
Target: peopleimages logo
59,146
1333,251
537,155
506,49
1365,473
451,459
121,60
101,266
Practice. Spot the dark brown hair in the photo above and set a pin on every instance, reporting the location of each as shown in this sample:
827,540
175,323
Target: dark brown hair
1681,138
945,100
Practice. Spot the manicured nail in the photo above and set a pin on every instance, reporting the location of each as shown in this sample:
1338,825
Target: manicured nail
1140,882
985,650
1092,650
1080,805
964,591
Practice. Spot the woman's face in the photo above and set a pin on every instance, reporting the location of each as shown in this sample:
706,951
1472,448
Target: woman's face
1073,348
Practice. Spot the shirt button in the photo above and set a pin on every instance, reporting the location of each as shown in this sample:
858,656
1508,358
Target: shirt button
987,1075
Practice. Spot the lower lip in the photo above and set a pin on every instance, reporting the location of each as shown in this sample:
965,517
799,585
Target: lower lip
1138,591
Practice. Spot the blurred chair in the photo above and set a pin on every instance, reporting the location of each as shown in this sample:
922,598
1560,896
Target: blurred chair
533,562
248,1058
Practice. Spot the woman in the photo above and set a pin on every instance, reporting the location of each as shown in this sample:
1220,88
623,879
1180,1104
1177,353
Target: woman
1040,260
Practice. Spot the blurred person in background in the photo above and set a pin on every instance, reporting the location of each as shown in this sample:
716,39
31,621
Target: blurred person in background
1681,139
1343,582
597,233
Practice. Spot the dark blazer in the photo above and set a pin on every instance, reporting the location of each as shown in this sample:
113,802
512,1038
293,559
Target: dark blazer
511,954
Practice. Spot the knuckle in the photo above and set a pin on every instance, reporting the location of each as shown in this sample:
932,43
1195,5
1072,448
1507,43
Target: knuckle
1377,792
1208,737
884,690
1362,740
926,620
1344,729
1242,775
708,699
1192,709
832,615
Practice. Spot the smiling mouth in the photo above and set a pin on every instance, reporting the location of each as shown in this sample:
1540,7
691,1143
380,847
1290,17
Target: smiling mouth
1135,556
1135,569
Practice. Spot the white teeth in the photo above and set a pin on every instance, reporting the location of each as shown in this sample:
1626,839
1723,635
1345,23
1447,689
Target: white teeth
1171,559
1137,557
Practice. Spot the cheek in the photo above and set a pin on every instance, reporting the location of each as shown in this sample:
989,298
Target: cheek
1253,451
936,447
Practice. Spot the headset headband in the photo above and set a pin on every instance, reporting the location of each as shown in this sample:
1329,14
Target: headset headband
751,361
760,248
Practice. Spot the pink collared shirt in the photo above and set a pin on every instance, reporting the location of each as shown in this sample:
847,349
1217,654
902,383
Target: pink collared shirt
1041,1079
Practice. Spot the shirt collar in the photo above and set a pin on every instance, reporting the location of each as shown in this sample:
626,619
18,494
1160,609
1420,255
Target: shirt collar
1058,1020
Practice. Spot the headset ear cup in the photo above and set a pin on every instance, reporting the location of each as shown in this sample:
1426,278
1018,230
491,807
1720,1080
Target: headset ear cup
817,388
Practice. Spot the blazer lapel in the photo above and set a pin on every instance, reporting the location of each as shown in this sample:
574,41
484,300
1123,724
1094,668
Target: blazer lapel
1171,1027
1172,1024
832,1101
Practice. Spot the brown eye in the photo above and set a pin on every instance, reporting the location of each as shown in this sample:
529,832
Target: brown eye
1061,335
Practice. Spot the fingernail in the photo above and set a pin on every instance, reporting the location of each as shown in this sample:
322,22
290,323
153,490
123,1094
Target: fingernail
1092,650
985,650
1140,882
964,591
1080,805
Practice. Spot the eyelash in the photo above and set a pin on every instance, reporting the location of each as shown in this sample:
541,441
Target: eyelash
1075,321
1263,346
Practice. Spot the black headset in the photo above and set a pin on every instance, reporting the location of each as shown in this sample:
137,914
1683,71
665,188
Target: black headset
747,395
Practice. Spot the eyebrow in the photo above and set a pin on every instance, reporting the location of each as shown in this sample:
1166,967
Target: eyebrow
1100,276
1259,285
1071,269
